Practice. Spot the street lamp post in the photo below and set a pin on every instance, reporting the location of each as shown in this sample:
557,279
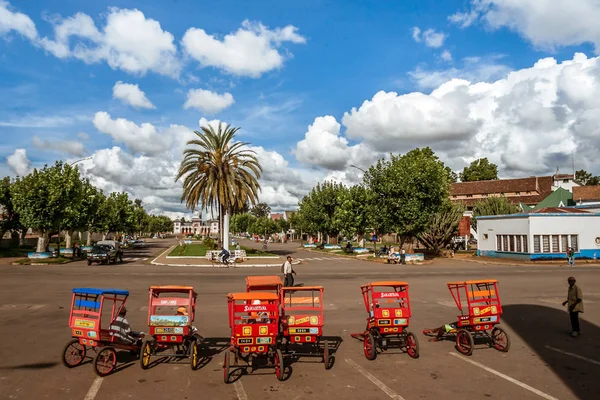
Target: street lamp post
80,160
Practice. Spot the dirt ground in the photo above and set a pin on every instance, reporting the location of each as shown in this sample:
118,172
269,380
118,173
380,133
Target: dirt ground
543,361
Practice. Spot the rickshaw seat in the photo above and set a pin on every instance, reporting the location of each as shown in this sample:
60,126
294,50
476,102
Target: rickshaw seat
87,303
302,300
481,293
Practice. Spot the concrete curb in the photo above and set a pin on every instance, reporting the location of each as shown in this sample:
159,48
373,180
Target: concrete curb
204,257
490,262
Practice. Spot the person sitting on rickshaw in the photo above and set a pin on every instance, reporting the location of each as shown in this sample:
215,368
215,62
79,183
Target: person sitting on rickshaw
122,330
441,331
183,311
259,316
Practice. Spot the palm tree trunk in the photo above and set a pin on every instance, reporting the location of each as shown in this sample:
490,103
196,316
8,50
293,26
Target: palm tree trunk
226,230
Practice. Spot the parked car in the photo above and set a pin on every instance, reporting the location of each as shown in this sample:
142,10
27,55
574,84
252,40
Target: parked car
103,254
114,244
138,243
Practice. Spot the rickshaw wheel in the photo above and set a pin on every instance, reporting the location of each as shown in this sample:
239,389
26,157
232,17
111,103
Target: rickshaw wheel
326,356
105,361
226,366
73,353
279,365
194,355
464,342
146,352
412,345
500,339
369,347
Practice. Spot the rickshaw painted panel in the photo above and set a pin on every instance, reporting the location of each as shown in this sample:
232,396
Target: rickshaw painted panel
169,320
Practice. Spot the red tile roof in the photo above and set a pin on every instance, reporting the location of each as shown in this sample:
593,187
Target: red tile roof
586,193
540,187
276,216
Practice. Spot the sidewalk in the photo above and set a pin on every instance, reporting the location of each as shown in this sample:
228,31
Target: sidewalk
521,263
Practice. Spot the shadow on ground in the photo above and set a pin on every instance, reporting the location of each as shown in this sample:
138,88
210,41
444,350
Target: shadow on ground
313,352
546,331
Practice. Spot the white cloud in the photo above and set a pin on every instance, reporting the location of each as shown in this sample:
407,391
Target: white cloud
19,163
64,146
251,51
36,121
15,21
545,23
83,136
446,56
144,138
430,37
131,94
128,41
207,101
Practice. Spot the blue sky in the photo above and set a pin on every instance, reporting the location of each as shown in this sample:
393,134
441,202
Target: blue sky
417,73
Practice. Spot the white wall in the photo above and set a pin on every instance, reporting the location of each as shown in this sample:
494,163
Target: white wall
565,185
500,226
587,227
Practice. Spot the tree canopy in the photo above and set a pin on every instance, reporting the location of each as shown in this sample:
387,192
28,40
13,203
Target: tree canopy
261,210
587,178
479,170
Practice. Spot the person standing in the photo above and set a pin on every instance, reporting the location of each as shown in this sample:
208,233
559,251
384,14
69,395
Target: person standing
288,273
403,257
571,257
575,304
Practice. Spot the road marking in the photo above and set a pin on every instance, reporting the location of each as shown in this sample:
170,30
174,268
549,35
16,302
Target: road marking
135,259
146,259
574,355
375,381
320,259
508,378
91,394
239,389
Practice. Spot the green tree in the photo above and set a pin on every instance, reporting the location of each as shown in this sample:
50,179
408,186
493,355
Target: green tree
83,212
352,215
479,170
263,226
495,205
95,213
219,174
9,218
586,178
117,214
406,191
261,210
318,207
45,199
442,227
282,224
240,223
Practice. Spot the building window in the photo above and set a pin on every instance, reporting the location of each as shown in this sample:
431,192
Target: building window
528,192
518,193
485,236
565,181
536,244
525,244
546,244
505,242
511,241
518,243
564,242
574,243
469,195
498,243
555,241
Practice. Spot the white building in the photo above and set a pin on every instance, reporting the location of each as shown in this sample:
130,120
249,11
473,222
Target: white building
543,234
196,227
565,181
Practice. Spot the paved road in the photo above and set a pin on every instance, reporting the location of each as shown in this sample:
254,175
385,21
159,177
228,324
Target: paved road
544,362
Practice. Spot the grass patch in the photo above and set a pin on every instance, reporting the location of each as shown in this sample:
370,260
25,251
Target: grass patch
190,250
59,260
15,251
256,252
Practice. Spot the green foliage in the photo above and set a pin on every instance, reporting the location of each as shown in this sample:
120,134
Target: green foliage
442,227
263,226
352,215
117,214
240,223
9,218
496,205
406,191
479,170
209,242
261,210
586,178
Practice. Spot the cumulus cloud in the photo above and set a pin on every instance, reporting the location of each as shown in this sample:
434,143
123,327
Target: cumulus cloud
251,51
144,138
131,94
446,56
207,101
71,147
545,23
19,163
15,21
128,41
430,37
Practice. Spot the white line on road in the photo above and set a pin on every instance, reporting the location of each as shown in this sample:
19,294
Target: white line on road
146,259
375,381
508,378
135,259
574,355
320,259
239,389
91,394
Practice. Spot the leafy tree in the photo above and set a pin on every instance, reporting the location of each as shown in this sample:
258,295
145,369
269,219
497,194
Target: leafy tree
219,173
9,218
479,170
84,211
117,214
495,205
586,178
442,227
159,224
261,210
406,191
317,209
263,226
282,224
352,215
240,223
45,199
96,212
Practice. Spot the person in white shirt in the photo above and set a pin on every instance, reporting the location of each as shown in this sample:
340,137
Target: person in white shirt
288,273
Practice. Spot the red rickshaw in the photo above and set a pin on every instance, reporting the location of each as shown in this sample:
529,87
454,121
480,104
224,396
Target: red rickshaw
89,331
388,308
171,311
480,310
263,283
254,323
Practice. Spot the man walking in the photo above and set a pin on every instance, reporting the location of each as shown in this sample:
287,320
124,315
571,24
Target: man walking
571,256
575,303
288,273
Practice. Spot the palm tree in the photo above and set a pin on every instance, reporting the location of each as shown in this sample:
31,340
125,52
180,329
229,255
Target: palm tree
220,174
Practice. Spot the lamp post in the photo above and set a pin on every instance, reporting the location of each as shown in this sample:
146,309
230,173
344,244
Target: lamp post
80,160
358,168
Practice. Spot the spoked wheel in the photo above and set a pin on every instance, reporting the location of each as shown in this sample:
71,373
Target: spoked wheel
194,359
279,365
146,353
226,363
369,347
105,361
327,357
412,345
500,339
464,342
73,353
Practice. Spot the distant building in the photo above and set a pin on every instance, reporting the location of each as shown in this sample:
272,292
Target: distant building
197,226
586,195
565,181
